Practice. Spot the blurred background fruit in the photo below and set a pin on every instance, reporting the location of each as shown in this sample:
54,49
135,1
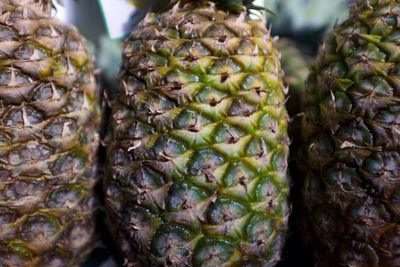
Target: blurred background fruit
305,21
296,64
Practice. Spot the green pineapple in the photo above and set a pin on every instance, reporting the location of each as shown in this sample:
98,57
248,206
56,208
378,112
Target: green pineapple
350,204
197,154
48,123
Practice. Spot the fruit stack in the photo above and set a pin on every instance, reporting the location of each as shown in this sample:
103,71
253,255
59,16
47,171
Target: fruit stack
223,144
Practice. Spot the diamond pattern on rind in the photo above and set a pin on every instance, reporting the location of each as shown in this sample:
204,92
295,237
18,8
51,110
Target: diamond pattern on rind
48,140
350,132
198,144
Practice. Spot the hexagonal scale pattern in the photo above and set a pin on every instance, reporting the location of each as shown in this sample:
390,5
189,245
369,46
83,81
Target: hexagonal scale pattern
48,140
198,147
351,135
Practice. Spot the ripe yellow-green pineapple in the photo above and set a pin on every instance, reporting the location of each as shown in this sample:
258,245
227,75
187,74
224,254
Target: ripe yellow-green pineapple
197,153
48,140
351,204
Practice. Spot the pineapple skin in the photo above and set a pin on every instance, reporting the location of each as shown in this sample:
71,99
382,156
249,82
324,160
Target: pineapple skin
350,196
48,139
197,152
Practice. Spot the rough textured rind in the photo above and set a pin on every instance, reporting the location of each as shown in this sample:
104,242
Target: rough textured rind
351,129
198,148
48,139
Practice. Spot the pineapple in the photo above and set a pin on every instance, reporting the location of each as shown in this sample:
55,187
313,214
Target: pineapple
350,205
48,140
198,144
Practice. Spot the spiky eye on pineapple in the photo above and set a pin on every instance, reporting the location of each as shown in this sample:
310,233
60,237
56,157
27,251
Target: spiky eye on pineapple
48,125
198,145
